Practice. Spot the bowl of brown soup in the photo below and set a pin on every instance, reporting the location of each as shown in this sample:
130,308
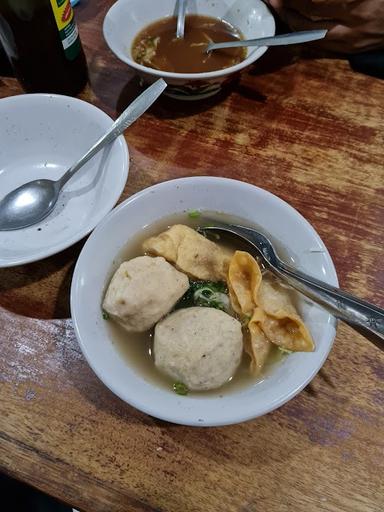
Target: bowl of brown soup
142,33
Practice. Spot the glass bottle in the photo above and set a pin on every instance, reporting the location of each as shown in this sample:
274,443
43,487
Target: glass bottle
41,40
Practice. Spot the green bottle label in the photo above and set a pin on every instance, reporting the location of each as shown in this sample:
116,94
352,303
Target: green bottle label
65,22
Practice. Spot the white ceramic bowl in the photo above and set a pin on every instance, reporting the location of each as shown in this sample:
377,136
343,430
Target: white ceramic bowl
127,17
286,225
41,136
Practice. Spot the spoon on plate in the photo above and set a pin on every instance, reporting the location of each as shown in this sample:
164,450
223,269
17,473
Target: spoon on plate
181,10
32,202
283,39
367,318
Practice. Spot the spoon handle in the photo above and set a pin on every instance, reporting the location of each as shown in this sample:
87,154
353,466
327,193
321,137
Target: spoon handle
129,116
349,308
282,39
181,10
364,317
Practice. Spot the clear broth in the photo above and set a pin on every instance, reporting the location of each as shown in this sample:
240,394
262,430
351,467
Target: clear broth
136,348
156,46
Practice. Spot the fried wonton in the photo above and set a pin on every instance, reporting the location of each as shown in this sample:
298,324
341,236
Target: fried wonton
244,280
282,325
268,308
191,253
257,345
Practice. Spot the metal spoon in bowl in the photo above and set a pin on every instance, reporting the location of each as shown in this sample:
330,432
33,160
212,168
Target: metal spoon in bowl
181,10
366,318
33,201
281,40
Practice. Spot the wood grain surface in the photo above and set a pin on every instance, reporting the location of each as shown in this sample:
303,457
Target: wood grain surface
303,127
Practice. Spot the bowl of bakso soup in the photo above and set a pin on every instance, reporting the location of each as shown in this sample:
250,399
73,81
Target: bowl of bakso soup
192,328
142,33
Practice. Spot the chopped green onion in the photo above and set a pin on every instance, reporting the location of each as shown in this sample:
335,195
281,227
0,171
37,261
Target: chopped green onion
180,388
207,294
194,214
105,315
209,298
245,320
285,350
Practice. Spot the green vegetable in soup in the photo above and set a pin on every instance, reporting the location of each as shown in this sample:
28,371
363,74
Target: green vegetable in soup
145,50
180,389
285,351
194,214
207,294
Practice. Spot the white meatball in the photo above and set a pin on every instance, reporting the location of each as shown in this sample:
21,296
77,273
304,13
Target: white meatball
200,347
142,291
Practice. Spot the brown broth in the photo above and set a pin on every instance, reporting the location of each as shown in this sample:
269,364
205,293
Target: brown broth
156,46
136,348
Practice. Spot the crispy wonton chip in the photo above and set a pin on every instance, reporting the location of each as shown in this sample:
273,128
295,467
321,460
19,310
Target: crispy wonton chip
282,325
257,344
269,308
244,279
191,253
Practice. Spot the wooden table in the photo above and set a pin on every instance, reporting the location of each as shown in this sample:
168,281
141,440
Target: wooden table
309,130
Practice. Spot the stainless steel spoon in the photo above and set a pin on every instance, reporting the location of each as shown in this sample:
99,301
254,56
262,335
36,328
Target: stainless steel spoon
367,318
281,40
181,10
32,202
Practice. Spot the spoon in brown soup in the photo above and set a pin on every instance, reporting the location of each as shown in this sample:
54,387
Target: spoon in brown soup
181,10
280,40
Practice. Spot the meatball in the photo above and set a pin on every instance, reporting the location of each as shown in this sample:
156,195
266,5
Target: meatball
198,346
142,291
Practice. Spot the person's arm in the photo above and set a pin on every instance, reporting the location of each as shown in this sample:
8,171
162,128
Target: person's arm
354,25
